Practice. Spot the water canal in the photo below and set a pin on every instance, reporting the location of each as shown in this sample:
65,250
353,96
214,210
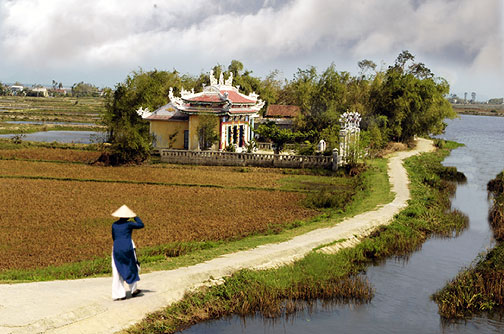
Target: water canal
403,287
77,137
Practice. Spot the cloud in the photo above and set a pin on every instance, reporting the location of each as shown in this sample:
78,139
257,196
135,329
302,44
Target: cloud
65,34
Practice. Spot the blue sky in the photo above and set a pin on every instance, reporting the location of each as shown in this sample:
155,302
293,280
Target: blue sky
102,41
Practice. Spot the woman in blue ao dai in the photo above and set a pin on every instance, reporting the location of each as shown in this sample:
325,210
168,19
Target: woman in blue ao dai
124,261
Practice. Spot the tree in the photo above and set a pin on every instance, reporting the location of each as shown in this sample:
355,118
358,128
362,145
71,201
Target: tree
366,65
236,67
278,136
82,89
271,87
412,100
127,132
206,131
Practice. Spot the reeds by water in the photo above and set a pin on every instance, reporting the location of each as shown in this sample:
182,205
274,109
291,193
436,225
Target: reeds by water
481,287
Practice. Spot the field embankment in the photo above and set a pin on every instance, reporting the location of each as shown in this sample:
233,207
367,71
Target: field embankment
481,287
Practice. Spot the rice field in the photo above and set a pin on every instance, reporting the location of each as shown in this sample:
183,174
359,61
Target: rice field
67,112
47,222
70,109
52,213
49,154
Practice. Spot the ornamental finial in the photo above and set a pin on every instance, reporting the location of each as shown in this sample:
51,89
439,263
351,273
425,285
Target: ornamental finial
213,80
229,81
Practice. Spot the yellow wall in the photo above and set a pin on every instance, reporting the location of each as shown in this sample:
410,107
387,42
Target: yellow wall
193,132
163,129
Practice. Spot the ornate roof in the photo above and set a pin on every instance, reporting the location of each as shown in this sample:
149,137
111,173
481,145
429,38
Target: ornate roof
221,98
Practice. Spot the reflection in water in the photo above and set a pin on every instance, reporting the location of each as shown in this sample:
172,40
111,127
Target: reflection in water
402,301
49,122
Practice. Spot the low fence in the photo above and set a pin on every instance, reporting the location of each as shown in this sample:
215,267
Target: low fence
269,146
215,158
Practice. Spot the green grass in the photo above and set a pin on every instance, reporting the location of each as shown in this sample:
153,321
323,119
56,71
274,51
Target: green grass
479,288
27,129
376,192
320,276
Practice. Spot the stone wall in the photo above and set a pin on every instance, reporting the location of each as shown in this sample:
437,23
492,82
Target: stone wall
214,158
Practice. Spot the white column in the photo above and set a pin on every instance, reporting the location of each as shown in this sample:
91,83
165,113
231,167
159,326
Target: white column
223,136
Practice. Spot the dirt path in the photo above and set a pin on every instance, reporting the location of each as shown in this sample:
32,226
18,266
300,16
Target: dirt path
85,306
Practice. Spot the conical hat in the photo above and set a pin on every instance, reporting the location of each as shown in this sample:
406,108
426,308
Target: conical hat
124,212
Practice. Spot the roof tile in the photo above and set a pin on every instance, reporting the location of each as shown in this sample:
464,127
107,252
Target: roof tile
280,110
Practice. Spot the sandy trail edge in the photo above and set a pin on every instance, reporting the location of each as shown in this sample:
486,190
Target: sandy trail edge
85,305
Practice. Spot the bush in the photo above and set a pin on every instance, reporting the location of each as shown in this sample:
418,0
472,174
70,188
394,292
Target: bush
307,148
127,146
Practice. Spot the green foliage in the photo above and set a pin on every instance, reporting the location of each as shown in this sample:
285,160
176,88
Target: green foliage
278,136
230,148
131,144
127,132
326,199
82,89
206,131
396,104
307,148
412,100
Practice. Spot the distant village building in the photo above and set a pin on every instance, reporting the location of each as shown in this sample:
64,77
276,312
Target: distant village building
58,92
40,91
16,89
496,101
282,115
176,124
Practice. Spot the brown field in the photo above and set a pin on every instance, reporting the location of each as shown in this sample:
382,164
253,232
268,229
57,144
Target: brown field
227,177
161,173
61,219
47,222
54,154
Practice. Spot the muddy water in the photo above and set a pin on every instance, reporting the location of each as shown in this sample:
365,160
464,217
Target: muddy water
403,287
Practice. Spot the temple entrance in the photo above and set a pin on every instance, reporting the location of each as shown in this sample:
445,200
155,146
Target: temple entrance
235,132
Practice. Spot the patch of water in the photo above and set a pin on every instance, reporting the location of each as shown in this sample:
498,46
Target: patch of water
49,122
77,137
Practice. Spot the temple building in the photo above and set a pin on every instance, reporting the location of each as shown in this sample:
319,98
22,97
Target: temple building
175,125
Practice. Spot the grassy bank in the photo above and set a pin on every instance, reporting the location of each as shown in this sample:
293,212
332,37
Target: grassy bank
481,287
479,109
27,129
321,276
